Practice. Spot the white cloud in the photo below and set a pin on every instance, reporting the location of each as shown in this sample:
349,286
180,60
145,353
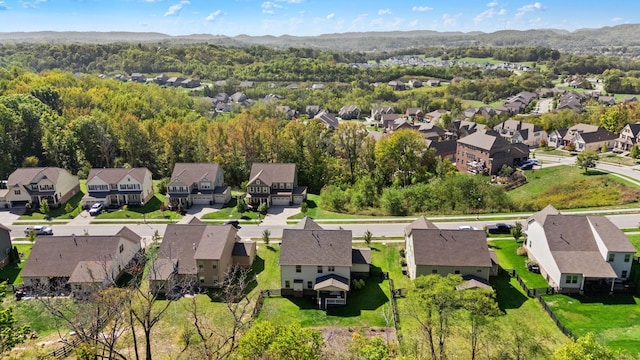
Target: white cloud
528,8
292,1
488,14
413,23
502,12
359,19
421,8
450,20
31,4
268,7
616,19
384,12
492,4
213,15
331,16
175,9
3,6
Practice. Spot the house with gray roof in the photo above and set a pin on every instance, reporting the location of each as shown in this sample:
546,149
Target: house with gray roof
320,263
198,255
274,184
583,137
119,186
578,253
486,153
517,131
349,112
80,264
197,184
32,185
429,250
629,135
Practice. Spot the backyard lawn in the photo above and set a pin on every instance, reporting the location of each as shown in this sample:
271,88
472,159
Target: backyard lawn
11,272
613,319
635,240
509,259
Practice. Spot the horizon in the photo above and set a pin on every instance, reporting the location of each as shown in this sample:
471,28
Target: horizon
306,17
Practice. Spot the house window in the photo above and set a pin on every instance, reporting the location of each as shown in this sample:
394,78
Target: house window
627,257
289,185
434,271
298,268
572,279
456,272
257,182
287,284
479,270
612,257
201,279
17,192
309,284
200,264
319,269
624,274
214,265
121,248
331,268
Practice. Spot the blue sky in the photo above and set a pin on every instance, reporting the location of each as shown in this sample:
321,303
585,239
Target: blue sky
309,17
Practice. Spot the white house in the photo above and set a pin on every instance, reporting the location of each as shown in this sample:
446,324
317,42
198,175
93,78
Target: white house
578,253
32,185
119,186
197,183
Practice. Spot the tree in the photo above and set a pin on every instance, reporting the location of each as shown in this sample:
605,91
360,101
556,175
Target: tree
368,236
296,343
505,170
584,348
262,209
31,236
634,153
44,207
10,333
304,207
586,160
480,305
241,206
266,233
516,231
30,161
68,208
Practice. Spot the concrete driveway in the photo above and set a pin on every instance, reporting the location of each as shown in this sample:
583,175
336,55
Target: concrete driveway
196,211
8,216
277,215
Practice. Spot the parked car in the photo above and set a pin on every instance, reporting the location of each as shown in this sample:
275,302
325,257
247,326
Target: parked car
39,230
499,228
234,223
526,166
467,227
96,209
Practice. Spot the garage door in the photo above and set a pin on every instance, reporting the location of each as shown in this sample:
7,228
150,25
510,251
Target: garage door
201,200
280,201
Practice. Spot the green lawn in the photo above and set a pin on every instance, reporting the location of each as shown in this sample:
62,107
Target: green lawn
60,212
509,259
567,187
11,272
150,210
613,319
229,212
635,240
315,212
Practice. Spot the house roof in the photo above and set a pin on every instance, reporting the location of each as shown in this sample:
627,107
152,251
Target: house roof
243,248
307,224
473,284
361,256
188,242
613,238
273,173
419,223
600,134
58,256
114,175
331,281
90,271
541,216
2,227
484,140
635,128
316,247
25,176
328,119
190,173
438,247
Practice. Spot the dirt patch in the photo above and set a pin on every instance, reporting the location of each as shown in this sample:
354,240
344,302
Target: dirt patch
338,339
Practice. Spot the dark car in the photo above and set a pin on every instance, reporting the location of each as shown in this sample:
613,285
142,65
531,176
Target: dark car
499,228
526,166
234,223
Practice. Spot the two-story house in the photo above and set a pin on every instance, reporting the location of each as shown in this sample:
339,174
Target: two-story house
197,184
274,184
578,253
486,153
320,263
517,131
32,185
583,137
80,264
198,255
119,186
627,138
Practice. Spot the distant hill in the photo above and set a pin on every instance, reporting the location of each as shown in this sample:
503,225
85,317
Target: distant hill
583,40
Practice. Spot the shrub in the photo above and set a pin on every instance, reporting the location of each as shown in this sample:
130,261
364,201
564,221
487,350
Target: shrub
358,284
521,251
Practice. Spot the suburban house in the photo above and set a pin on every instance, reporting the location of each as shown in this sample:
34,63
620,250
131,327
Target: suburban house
583,137
32,185
197,184
80,264
486,153
628,136
5,246
138,77
429,250
274,184
174,81
198,255
397,85
435,115
320,263
415,114
578,253
461,128
119,186
349,112
328,119
378,111
446,149
517,131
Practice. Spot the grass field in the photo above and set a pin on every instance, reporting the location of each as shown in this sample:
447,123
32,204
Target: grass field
315,212
509,259
613,319
11,272
635,240
229,212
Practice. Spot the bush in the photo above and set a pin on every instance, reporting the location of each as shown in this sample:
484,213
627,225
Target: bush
358,284
521,251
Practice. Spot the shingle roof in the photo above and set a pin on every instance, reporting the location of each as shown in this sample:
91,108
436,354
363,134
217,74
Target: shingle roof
58,256
437,247
190,173
307,224
242,248
361,256
316,247
484,140
419,223
114,175
273,173
4,228
613,238
27,175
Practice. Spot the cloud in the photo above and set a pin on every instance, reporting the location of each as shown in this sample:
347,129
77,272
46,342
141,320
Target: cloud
384,12
3,6
291,1
31,4
488,14
421,8
268,7
359,19
616,19
331,16
174,10
413,23
492,4
213,15
528,8
450,20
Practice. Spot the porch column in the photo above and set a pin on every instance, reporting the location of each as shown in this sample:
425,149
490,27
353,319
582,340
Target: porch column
613,282
582,283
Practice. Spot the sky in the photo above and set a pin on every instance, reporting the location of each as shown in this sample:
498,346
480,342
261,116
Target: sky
310,17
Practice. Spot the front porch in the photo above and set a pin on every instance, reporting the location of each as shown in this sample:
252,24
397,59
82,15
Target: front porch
331,290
